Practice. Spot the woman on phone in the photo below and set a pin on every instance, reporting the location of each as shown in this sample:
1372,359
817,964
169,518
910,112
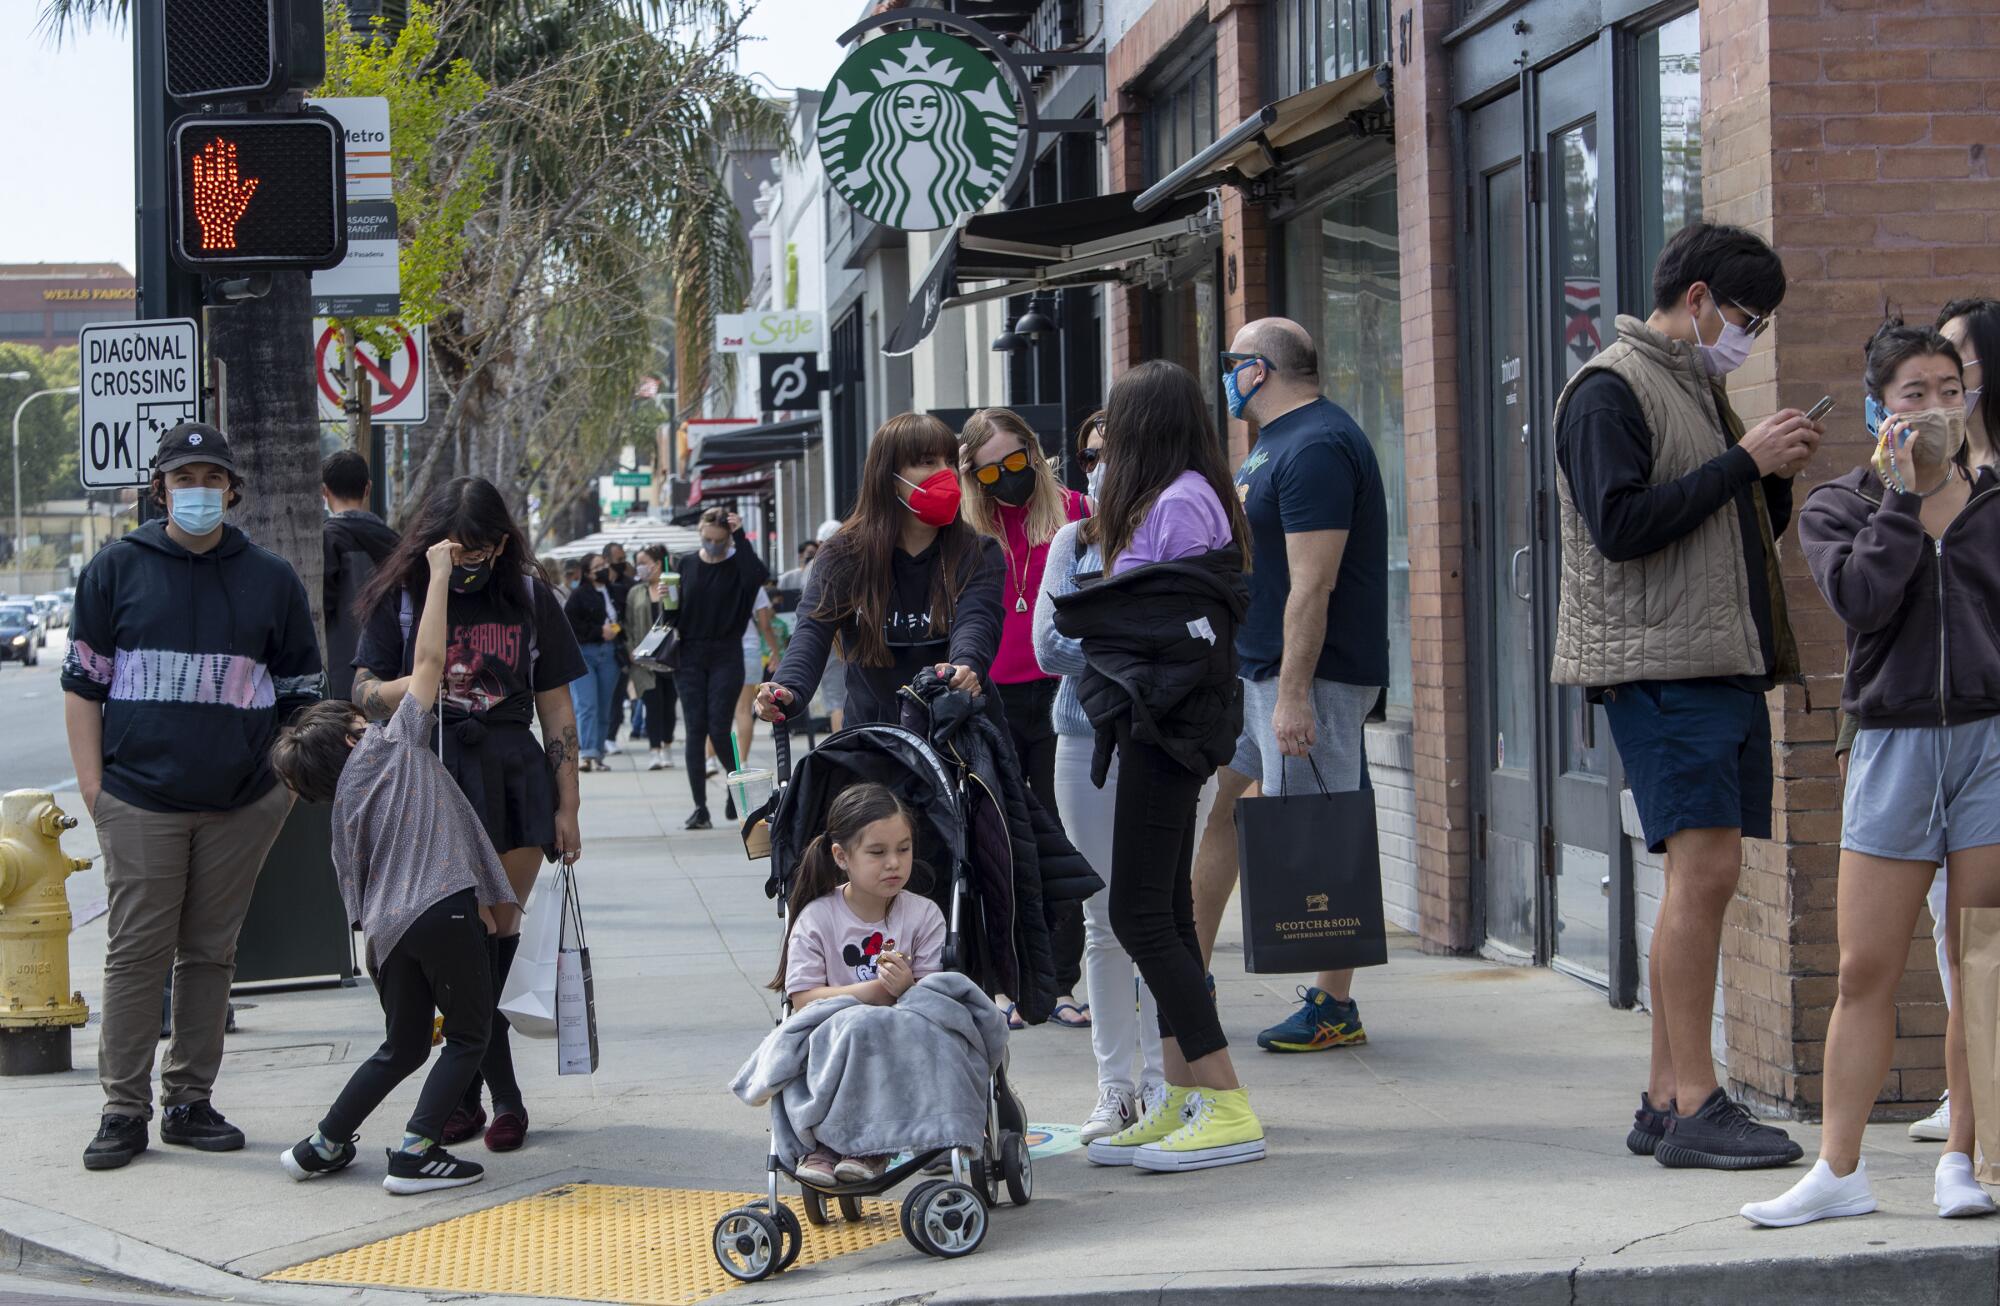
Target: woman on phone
1906,550
903,585
509,659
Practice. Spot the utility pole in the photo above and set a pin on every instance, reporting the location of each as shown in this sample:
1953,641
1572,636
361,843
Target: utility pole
164,289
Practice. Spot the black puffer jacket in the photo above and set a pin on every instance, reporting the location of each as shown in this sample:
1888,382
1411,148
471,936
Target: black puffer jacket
1161,644
1012,841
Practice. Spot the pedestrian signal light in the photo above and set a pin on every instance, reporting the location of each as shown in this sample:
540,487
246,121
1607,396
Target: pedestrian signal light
243,49
259,192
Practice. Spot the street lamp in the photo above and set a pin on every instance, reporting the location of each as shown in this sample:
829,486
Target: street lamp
18,410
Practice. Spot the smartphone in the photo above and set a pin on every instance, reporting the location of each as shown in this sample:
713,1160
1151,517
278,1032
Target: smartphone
1820,409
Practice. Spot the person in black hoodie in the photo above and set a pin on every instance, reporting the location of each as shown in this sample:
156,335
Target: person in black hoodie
354,541
719,584
903,585
1907,552
1158,631
189,647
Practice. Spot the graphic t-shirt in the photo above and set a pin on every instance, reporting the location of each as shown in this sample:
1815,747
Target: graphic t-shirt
1314,470
831,947
493,653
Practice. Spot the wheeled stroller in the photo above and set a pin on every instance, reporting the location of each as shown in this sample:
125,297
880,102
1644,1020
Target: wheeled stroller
944,1217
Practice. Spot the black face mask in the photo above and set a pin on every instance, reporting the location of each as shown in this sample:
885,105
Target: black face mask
470,578
1014,488
601,575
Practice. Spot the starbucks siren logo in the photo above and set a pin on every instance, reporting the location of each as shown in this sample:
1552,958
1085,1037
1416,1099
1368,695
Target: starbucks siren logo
918,130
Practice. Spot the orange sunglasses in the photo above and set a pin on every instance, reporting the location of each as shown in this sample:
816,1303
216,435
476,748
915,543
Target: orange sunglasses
1013,462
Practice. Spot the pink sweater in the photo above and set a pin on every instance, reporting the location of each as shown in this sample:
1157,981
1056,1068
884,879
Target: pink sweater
1015,663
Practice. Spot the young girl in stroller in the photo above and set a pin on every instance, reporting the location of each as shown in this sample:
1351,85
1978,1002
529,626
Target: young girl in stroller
856,933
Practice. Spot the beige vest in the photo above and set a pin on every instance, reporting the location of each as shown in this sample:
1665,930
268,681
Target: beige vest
1684,611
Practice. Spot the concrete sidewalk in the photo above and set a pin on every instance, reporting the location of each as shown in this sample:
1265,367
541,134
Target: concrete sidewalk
1472,1151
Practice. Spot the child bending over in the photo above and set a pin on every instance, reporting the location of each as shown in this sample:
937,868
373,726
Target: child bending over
856,933
417,874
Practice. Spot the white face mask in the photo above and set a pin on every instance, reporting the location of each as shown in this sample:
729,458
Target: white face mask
1094,483
1728,352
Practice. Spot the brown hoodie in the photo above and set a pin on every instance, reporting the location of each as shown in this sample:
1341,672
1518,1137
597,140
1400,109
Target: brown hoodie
1922,649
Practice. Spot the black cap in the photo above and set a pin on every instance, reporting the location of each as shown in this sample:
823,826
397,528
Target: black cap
194,442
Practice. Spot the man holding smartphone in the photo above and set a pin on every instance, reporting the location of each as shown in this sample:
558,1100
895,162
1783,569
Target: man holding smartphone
1672,616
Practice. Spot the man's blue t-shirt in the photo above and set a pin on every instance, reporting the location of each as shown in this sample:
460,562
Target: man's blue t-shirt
1313,470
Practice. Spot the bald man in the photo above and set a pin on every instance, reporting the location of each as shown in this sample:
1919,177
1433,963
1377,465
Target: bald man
1314,650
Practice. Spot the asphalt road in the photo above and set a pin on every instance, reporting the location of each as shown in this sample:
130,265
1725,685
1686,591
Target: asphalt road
34,754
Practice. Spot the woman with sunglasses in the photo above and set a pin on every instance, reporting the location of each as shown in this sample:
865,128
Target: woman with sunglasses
1012,496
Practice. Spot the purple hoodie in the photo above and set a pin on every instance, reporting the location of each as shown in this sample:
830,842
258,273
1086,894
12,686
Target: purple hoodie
1922,649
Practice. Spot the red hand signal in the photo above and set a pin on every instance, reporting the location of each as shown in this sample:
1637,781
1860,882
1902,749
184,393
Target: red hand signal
220,196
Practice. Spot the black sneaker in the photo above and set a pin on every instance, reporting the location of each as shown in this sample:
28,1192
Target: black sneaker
200,1126
1722,1136
119,1139
426,1172
302,1160
698,820
1649,1126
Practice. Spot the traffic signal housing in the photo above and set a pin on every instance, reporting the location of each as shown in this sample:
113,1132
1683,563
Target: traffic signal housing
243,49
259,192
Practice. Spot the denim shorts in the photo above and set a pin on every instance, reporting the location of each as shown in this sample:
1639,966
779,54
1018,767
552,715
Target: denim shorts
1916,793
1697,756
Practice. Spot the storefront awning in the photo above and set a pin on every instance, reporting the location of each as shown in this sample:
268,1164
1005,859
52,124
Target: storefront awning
1280,138
751,446
1047,247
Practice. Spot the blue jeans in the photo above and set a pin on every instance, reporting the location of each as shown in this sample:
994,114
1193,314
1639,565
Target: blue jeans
591,693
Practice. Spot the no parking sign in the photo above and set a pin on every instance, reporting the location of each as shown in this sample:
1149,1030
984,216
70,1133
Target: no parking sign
398,391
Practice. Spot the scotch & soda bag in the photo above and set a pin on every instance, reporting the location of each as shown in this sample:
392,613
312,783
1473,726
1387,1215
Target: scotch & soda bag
1311,881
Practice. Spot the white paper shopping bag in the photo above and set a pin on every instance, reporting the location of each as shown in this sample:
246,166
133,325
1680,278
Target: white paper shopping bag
528,997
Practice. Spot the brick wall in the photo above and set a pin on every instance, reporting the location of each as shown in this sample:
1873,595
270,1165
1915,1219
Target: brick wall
1854,135
1436,496
1389,770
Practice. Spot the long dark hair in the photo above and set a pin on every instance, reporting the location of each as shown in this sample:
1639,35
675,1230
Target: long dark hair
1982,333
470,511
857,564
1157,425
858,807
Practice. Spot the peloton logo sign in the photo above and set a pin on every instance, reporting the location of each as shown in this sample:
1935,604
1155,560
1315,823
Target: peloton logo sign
919,129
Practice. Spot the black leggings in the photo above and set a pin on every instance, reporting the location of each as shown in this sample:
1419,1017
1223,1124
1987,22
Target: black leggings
1030,707
709,677
1152,892
660,708
440,962
496,1068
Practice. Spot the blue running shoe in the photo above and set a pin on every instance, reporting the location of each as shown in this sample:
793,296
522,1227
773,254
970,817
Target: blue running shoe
1322,1021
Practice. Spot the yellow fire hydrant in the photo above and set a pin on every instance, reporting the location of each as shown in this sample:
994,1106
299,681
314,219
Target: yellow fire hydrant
37,1007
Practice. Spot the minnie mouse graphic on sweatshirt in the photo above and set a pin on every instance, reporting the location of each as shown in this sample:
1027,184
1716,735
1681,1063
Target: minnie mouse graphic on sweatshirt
831,947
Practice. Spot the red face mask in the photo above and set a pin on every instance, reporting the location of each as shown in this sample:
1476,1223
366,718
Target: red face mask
935,501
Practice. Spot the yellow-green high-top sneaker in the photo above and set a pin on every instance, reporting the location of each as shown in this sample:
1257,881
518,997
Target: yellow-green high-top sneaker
1163,1116
1221,1129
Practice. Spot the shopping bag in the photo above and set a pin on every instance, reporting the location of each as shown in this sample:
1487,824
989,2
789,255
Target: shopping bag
1311,881
660,650
1979,998
528,996
576,998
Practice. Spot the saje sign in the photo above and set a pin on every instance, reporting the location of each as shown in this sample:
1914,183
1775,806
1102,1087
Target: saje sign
781,331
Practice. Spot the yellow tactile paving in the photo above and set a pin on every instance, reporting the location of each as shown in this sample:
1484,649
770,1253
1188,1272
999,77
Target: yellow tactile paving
593,1242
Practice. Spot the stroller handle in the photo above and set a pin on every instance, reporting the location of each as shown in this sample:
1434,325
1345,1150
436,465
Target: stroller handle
781,743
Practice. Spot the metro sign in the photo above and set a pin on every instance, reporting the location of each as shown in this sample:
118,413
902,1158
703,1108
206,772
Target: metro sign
259,192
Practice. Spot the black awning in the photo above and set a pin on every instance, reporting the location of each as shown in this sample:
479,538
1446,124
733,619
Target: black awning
750,446
1279,138
1047,247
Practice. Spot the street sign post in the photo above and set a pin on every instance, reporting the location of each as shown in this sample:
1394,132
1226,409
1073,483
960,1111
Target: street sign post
398,384
368,282
631,478
364,123
138,379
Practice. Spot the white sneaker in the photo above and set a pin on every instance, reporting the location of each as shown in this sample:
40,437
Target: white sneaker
611,747
1935,1127
1957,1192
657,760
1116,1109
1821,1195
714,767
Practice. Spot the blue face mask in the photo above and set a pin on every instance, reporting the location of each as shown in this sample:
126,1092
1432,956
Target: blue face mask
1236,398
1874,414
196,510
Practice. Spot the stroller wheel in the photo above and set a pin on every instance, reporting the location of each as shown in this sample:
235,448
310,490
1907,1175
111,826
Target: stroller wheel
850,1210
945,1218
815,1204
748,1244
795,1236
1017,1167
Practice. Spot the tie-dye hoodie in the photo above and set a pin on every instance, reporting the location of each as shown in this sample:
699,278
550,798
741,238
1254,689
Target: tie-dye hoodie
197,659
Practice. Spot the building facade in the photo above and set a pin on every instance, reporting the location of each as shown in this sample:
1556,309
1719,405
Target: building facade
45,304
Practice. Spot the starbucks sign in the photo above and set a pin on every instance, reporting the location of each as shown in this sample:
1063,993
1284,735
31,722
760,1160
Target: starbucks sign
918,129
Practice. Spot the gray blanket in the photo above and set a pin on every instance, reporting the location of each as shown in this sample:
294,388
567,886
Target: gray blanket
865,1080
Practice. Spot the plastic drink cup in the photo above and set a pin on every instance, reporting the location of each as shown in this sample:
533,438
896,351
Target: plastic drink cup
672,581
751,789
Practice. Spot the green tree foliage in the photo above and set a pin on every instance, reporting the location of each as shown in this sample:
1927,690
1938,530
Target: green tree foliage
48,428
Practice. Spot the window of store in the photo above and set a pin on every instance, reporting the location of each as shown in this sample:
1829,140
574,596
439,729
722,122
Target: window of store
1180,120
1179,322
1315,41
1668,82
1343,282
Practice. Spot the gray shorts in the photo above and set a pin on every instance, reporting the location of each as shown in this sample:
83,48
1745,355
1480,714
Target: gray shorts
833,684
1341,712
1917,793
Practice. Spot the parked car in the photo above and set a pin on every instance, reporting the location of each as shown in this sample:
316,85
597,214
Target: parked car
20,634
41,623
55,612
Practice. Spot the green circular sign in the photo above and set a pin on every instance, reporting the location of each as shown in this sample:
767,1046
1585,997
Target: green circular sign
918,129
